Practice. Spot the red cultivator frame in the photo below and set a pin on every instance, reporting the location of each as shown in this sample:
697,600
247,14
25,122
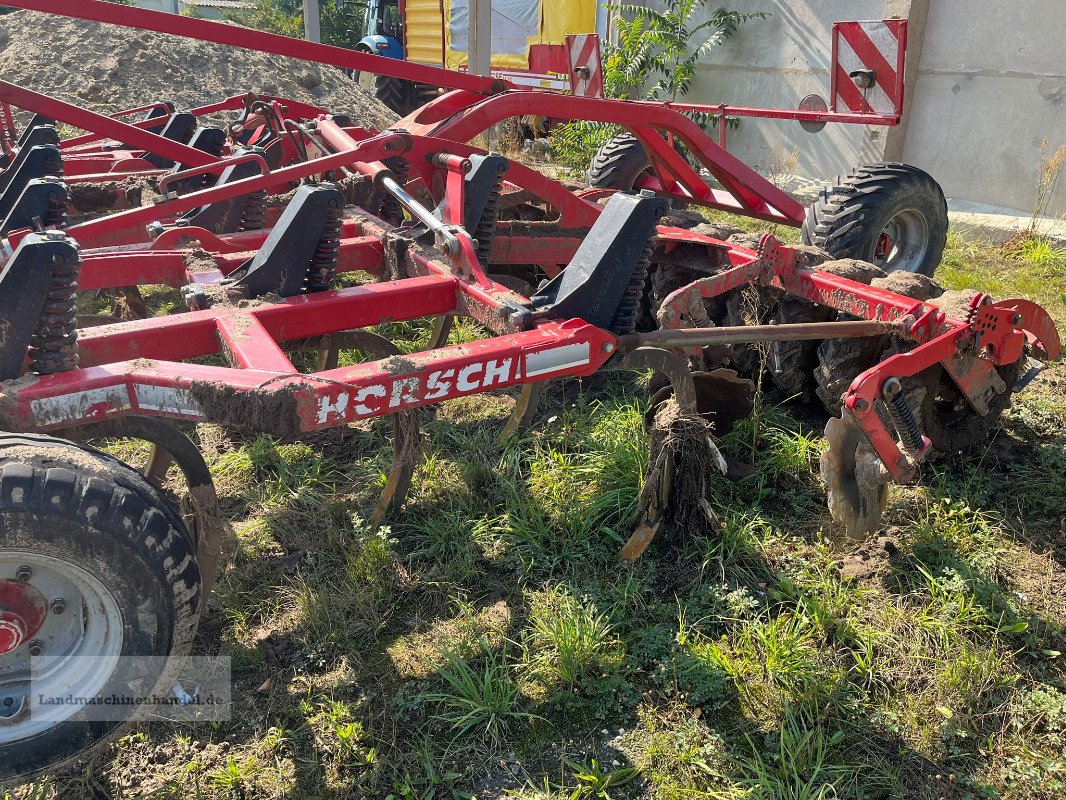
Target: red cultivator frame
444,230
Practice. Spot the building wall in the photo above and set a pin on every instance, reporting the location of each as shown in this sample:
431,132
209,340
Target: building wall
991,87
985,86
775,63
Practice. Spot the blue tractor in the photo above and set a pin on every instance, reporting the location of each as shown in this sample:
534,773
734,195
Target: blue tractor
383,35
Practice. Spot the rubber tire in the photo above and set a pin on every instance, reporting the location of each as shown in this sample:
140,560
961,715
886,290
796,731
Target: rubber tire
840,361
395,93
618,164
118,527
969,430
849,216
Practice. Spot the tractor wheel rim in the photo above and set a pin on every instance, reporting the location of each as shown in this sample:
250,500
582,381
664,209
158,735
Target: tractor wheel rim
82,618
903,243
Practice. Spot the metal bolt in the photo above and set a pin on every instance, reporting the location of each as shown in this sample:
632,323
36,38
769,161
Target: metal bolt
861,405
36,647
24,574
59,605
1016,319
891,388
608,347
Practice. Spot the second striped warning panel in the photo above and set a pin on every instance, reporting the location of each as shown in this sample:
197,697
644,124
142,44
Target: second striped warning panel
878,45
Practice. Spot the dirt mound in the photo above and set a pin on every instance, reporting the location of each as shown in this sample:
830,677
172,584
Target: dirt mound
108,68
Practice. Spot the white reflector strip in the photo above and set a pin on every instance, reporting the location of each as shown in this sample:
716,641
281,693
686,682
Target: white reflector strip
74,406
167,399
557,358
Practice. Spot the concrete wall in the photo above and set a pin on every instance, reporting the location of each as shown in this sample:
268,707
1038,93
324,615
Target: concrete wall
986,84
776,62
991,87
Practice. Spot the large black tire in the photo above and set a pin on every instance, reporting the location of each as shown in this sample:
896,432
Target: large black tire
73,512
402,96
395,93
873,205
947,418
840,361
618,164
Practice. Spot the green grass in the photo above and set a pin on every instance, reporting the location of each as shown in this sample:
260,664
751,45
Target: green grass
489,641
480,701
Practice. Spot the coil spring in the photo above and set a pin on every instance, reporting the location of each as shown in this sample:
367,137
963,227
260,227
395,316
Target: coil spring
56,216
485,229
322,274
391,210
254,211
625,318
899,408
54,344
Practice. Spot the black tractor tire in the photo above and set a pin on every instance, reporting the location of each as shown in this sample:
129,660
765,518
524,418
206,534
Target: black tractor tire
88,517
850,217
618,164
840,361
395,93
949,421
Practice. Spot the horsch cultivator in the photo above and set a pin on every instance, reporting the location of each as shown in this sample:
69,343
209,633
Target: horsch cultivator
95,560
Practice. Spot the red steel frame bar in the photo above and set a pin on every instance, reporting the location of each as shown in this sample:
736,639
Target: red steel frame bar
100,123
204,30
101,232
232,103
135,368
724,109
452,116
968,350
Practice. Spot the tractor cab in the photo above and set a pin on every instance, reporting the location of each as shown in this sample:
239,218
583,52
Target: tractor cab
383,29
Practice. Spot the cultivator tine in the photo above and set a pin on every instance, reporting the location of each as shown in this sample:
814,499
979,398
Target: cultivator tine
159,462
38,289
40,161
37,136
43,203
179,128
438,335
300,253
524,409
598,281
244,212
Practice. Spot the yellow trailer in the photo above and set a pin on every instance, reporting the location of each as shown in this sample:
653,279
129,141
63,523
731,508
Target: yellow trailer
528,40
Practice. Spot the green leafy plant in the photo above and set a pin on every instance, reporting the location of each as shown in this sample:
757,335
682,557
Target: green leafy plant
480,699
594,782
654,58
567,638
674,41
340,22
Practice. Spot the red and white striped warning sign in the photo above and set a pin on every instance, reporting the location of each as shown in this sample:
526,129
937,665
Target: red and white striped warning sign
586,71
879,46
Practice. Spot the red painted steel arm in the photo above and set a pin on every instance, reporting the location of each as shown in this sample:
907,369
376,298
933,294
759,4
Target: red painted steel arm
782,113
755,195
102,124
236,36
96,232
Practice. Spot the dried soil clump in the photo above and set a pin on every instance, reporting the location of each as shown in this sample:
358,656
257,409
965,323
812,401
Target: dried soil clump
109,68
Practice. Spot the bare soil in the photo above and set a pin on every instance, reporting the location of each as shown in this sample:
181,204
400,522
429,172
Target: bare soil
109,68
